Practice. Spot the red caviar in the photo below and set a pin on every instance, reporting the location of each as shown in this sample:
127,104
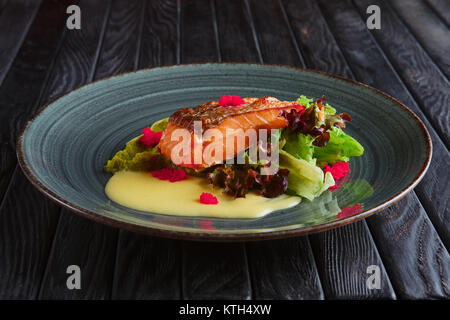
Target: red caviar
349,211
234,101
173,175
338,170
208,198
150,137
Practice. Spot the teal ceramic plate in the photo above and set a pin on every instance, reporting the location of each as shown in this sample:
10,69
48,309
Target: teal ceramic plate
65,145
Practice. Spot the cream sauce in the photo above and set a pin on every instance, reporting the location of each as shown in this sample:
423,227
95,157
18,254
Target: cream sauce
141,191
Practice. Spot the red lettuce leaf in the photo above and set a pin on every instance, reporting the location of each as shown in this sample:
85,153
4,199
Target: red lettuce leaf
237,180
307,121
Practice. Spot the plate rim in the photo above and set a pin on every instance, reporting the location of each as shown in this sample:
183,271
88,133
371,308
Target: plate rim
226,236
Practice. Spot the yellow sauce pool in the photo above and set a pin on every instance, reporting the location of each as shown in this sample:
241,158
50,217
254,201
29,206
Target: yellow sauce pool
141,191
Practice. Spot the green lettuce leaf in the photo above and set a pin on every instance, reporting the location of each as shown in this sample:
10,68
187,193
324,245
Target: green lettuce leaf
160,125
307,102
300,146
136,157
305,179
340,147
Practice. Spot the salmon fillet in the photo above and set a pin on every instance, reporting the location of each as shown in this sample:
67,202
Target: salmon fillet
255,113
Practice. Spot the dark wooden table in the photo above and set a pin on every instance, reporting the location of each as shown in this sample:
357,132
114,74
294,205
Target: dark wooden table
409,58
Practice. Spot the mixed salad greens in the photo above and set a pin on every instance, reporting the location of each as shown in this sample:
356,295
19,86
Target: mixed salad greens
314,138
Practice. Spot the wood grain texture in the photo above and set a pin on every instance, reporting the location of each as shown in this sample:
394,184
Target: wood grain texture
235,45
309,27
437,178
284,269
159,43
120,49
432,33
215,271
27,225
79,52
343,256
23,208
424,271
26,73
209,271
323,51
148,267
441,8
372,66
78,241
277,44
198,36
86,244
16,18
427,84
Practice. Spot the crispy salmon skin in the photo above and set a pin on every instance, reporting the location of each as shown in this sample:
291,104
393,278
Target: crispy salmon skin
254,113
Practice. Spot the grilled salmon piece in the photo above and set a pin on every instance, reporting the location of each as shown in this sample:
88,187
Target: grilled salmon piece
255,113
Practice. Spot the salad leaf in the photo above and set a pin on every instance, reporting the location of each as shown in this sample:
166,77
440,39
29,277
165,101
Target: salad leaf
236,180
307,102
160,125
305,179
340,147
136,157
300,146
314,121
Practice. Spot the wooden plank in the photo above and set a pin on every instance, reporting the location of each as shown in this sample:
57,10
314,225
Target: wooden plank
424,269
284,269
308,28
432,33
215,271
86,244
16,18
160,34
372,66
78,241
427,84
149,267
343,256
342,276
275,39
27,228
26,75
441,8
198,41
120,50
79,53
209,270
394,40
23,208
235,45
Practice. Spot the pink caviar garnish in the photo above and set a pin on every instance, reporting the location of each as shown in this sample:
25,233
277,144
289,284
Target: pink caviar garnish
150,137
173,175
234,101
349,211
208,198
338,170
